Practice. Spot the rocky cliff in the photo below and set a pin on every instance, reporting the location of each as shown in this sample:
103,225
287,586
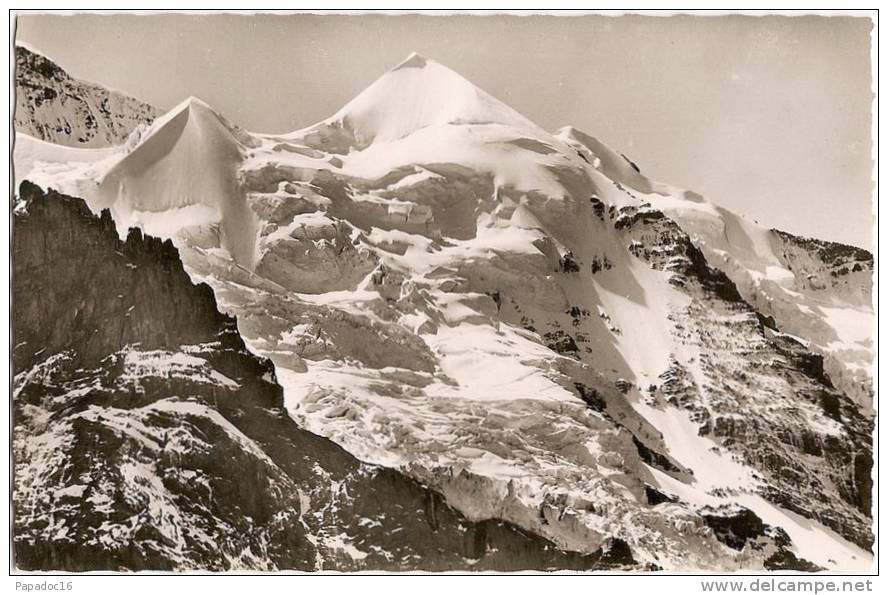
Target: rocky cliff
53,106
146,436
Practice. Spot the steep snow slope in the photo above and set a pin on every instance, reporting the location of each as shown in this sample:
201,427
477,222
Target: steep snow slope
51,105
504,315
819,291
183,173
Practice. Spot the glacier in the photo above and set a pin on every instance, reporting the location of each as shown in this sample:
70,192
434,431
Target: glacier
520,319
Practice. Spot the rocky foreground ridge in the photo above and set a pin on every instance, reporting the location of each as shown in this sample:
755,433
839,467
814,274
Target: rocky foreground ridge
147,436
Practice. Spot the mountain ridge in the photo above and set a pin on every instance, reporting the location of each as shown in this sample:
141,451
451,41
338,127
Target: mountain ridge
416,93
53,106
179,455
437,298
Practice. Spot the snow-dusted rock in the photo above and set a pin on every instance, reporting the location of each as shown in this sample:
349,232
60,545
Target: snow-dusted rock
528,325
147,437
51,105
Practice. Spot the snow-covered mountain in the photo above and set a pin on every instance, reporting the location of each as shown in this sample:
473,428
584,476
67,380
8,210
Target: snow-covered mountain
148,437
53,106
523,322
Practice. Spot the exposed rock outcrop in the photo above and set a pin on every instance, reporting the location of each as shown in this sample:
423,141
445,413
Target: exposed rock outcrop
53,106
146,436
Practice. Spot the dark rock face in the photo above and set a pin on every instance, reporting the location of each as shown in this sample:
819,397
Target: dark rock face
735,527
739,528
53,106
655,496
560,342
670,249
751,359
146,436
62,300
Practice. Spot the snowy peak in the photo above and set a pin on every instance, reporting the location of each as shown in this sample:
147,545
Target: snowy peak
415,94
414,60
182,174
190,113
190,137
452,258
192,103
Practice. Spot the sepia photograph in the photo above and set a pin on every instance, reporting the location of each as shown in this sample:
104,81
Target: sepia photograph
405,292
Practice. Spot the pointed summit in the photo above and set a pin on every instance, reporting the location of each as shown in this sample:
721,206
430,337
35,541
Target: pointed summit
192,102
414,60
416,94
195,100
181,109
182,173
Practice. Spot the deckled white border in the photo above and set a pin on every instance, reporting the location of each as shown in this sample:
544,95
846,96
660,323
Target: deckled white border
518,584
